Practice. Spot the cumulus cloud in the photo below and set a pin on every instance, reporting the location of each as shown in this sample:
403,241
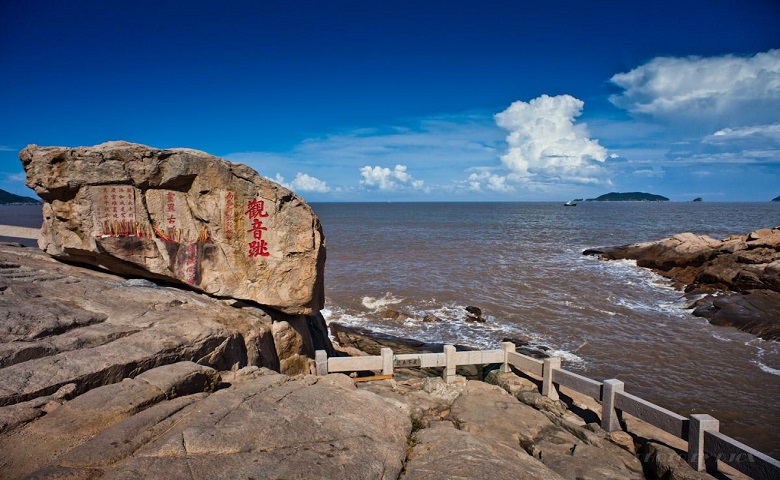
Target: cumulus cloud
385,179
486,180
545,144
304,183
730,90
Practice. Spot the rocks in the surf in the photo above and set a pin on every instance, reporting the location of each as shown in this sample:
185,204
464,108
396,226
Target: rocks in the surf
182,216
429,317
746,267
754,311
681,250
390,314
474,314
372,342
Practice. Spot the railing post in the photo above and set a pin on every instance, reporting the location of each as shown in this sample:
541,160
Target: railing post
387,361
609,417
507,347
548,389
321,360
450,368
700,423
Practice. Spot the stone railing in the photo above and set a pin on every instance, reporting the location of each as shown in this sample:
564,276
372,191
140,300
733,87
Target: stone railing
706,445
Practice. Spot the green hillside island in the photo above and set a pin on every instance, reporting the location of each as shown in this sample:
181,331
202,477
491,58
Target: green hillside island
8,198
629,197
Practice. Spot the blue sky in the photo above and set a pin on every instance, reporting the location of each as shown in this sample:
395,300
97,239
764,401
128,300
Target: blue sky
412,100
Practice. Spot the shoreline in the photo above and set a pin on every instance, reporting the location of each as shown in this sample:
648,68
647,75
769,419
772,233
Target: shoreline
733,282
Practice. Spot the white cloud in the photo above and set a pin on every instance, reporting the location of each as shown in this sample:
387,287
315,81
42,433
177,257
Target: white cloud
726,90
484,179
754,133
438,149
546,145
385,179
303,183
17,177
307,183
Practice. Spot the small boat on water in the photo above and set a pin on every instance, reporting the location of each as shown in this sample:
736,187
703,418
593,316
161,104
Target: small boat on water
570,203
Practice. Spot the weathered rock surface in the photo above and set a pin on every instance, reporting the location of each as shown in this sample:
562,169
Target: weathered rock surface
179,215
264,425
742,270
470,429
443,448
64,325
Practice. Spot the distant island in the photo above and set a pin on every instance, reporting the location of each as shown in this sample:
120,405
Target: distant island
776,199
8,198
698,199
629,197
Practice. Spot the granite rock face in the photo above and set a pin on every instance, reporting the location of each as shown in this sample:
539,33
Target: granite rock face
733,282
65,326
258,424
182,216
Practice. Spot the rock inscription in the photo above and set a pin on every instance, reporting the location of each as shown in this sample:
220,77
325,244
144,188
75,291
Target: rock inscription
178,215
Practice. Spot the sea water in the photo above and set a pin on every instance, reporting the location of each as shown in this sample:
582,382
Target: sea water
522,264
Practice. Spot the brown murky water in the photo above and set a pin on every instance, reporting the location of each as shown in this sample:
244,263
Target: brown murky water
522,264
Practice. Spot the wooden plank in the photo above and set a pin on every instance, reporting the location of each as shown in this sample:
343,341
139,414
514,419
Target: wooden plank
740,456
651,413
525,363
578,383
353,364
372,378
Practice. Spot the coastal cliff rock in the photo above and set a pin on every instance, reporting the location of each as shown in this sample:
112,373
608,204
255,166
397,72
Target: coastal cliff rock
259,425
733,282
62,325
179,215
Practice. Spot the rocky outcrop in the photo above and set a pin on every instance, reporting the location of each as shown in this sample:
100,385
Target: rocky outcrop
62,325
734,282
179,421
182,216
470,429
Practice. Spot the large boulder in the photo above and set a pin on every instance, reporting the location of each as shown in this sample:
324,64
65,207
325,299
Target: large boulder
179,215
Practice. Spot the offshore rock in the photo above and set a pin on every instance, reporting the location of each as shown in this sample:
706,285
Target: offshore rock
179,215
742,272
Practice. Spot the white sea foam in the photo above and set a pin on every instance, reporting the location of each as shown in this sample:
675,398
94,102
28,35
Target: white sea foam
568,356
767,368
373,303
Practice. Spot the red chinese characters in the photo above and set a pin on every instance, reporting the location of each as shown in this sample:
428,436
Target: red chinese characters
170,211
191,264
114,205
258,247
229,222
